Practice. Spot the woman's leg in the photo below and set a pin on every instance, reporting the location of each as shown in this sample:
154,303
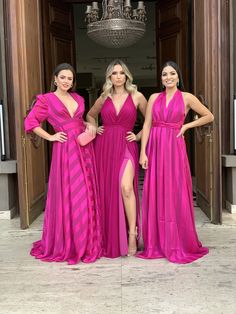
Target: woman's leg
128,195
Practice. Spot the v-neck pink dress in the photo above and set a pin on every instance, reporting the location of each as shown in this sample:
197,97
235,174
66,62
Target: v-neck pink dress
71,229
167,202
112,152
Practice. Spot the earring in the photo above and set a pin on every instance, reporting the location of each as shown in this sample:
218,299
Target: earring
177,84
55,83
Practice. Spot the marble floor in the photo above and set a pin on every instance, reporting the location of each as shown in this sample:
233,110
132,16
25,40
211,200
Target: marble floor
124,285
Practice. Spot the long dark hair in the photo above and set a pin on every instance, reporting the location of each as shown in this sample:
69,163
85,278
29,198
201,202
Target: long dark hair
58,69
177,69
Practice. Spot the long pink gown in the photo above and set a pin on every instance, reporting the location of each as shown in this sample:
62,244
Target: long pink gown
167,204
71,229
112,152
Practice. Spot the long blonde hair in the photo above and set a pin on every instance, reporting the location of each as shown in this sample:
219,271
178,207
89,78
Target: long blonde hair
108,86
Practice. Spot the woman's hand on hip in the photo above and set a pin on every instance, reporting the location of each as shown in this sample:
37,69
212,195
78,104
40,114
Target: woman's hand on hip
182,131
58,137
131,137
100,130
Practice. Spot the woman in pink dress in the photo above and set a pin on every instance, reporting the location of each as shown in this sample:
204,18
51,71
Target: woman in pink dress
116,154
71,229
167,205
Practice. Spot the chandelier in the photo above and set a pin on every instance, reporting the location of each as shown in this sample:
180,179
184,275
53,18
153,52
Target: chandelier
119,26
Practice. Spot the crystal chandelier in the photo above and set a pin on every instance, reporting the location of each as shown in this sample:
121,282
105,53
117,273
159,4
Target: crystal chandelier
119,26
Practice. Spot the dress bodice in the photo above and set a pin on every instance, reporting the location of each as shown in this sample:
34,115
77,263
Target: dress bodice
49,107
173,114
125,118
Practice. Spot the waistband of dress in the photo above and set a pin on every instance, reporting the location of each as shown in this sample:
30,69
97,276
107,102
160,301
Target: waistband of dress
116,126
72,124
163,124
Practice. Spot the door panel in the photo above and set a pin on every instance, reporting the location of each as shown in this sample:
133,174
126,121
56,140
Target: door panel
62,49
203,169
197,49
172,35
207,87
30,38
58,29
59,45
202,141
25,78
173,43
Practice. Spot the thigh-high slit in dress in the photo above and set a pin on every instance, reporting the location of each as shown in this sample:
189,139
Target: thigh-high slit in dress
113,152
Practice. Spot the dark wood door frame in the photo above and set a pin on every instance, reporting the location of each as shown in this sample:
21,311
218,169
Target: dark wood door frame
211,61
25,78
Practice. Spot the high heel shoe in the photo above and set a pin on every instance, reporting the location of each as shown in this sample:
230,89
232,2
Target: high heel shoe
133,236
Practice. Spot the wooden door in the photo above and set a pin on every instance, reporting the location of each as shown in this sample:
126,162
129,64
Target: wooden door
58,38
189,33
24,69
172,36
173,43
37,41
59,45
208,53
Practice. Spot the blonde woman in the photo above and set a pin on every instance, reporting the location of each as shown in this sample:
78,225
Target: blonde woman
116,153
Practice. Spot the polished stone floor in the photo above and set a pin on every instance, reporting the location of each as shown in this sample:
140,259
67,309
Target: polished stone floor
124,285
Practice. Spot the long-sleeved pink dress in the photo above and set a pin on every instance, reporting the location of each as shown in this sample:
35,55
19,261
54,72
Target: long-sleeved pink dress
71,229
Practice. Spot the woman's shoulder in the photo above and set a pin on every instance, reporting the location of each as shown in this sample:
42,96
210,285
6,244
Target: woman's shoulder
154,96
43,97
47,94
101,99
188,96
185,94
137,95
39,102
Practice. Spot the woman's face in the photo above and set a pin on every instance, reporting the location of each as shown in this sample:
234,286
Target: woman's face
169,77
64,80
118,76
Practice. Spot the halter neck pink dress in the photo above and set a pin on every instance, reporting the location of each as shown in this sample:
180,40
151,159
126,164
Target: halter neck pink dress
71,229
167,203
112,152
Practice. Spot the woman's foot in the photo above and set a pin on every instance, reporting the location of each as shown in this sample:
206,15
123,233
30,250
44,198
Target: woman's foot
132,243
